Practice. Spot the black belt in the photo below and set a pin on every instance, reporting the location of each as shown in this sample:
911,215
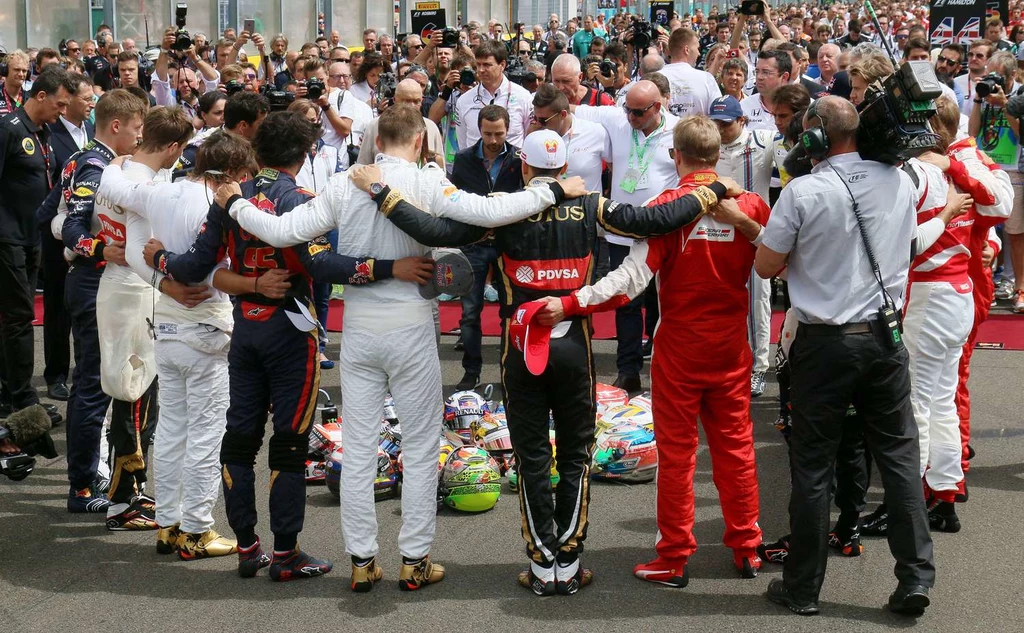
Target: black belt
862,327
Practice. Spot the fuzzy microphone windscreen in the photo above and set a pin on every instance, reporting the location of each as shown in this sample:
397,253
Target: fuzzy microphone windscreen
28,424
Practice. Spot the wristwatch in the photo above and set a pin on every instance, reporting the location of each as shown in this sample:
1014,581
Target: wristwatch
376,189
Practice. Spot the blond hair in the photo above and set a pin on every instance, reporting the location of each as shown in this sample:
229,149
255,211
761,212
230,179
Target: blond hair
698,140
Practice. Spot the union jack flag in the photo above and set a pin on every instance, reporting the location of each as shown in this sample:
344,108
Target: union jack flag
943,33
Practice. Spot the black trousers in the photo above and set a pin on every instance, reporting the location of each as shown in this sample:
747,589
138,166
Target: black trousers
56,320
270,363
629,324
566,390
132,428
831,370
19,266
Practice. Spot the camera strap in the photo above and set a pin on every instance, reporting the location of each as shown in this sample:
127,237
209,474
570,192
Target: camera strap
889,317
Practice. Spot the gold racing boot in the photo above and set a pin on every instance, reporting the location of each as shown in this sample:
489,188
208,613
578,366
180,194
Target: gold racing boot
192,546
365,576
167,539
419,574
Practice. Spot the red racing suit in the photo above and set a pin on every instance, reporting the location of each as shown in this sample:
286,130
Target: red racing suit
987,192
701,366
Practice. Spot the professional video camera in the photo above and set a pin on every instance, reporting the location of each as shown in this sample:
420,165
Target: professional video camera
29,429
988,84
315,89
449,37
182,40
386,86
894,117
643,34
517,73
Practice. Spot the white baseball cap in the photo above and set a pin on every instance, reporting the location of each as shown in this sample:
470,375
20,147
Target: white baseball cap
544,149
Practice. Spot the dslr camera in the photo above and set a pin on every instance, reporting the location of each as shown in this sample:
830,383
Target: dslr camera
752,7
988,84
279,99
233,87
182,40
467,77
607,68
386,86
449,37
315,89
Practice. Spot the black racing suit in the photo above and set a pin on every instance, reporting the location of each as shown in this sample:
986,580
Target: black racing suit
552,254
271,361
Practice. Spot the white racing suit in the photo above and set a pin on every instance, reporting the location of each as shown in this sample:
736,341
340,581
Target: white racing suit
938,316
750,161
191,349
388,336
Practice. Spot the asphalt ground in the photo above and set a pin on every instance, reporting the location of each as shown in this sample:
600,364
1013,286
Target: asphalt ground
67,572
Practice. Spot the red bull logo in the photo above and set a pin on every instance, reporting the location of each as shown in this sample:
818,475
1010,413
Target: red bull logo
444,276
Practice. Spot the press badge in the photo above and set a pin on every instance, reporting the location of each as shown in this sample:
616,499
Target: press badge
630,180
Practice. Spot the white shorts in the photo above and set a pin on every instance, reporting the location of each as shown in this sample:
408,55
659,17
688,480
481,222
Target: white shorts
1015,223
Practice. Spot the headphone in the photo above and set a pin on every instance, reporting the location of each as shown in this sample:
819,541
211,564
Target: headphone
815,141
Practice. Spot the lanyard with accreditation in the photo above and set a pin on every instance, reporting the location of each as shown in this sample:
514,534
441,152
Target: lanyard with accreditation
639,160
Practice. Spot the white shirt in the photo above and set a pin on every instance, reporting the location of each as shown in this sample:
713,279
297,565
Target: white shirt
692,90
368,150
513,97
318,167
346,105
661,170
363,231
362,91
966,86
167,96
587,144
758,116
174,212
830,279
78,134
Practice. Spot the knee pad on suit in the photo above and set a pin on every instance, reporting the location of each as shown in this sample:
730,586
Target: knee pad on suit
288,452
239,449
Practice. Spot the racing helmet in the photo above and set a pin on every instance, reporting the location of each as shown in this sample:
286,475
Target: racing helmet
625,452
470,481
643,401
490,433
390,413
391,440
634,414
461,409
609,396
385,483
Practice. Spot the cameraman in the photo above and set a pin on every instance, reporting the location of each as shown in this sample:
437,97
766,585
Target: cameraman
185,90
848,349
618,83
997,130
566,75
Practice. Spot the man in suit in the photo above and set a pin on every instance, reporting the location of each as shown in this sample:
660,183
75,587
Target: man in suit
68,135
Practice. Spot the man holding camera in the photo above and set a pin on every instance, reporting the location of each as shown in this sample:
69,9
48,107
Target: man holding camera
185,90
995,125
566,74
848,349
493,88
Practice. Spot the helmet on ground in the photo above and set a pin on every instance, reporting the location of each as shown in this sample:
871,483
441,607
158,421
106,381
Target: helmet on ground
630,413
391,440
643,401
490,433
625,452
461,409
385,483
323,439
609,396
470,481
316,471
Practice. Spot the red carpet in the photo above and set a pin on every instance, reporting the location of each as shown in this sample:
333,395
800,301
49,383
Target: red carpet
1001,331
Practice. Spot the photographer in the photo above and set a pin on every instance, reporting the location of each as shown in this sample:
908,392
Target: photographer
995,125
457,82
977,59
185,91
344,116
408,92
848,348
367,77
613,72
566,75
493,88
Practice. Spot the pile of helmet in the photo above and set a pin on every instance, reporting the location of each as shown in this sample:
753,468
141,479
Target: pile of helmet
474,443
625,448
325,439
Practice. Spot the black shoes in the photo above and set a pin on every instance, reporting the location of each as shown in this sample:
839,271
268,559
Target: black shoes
909,600
846,540
942,517
469,381
58,391
876,523
774,552
648,349
55,416
631,384
779,594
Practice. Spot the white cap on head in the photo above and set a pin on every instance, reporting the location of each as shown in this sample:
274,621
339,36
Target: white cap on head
544,149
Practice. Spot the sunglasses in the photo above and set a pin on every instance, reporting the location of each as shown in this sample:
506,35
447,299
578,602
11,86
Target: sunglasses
942,59
547,120
74,50
979,55
638,112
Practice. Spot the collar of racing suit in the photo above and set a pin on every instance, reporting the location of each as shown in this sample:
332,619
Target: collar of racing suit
699,177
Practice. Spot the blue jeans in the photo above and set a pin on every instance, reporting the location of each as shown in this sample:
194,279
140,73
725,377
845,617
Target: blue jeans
629,323
480,256
322,295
